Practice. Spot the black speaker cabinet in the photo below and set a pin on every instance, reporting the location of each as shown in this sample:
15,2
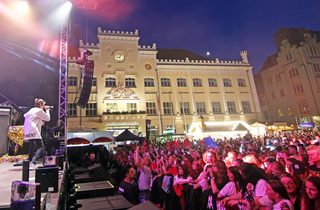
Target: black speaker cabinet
87,84
94,189
48,178
104,203
145,206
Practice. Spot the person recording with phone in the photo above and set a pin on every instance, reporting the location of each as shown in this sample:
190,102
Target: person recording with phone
34,120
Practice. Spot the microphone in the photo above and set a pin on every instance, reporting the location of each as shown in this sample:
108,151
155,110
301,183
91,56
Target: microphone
51,107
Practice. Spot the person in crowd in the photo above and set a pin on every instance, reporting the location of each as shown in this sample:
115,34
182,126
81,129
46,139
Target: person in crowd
231,188
311,198
267,165
277,170
314,159
181,186
89,160
293,190
34,120
144,181
128,187
277,193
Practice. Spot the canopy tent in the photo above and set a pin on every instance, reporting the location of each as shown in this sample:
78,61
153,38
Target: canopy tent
126,135
102,139
78,140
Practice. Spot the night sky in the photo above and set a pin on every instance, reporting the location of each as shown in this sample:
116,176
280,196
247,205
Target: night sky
222,27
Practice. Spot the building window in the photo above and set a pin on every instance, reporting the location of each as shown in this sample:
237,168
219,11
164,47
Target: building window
280,114
246,107
110,82
130,83
316,67
131,107
289,57
167,108
149,82
112,107
181,82
289,111
278,77
197,82
72,110
91,109
303,107
184,108
216,107
293,72
231,107
94,82
242,83
227,83
151,108
266,115
165,82
212,82
298,89
201,107
282,93
72,81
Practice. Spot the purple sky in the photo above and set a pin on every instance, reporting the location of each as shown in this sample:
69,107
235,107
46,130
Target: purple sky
221,27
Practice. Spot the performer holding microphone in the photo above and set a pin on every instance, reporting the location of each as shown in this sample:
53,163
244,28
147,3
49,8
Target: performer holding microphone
34,119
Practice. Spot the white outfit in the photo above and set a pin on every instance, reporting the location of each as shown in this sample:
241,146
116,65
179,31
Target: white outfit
34,119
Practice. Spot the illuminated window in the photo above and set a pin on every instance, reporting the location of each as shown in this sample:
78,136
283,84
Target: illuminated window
112,107
131,107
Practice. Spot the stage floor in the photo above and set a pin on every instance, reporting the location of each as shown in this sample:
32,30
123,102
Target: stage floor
9,173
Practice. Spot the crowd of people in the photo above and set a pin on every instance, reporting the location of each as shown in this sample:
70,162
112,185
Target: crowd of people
278,172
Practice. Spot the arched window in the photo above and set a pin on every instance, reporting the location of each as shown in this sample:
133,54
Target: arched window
181,82
130,83
197,82
212,82
149,82
165,82
110,82
242,83
227,83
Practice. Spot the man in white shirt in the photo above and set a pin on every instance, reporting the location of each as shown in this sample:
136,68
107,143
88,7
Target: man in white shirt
34,119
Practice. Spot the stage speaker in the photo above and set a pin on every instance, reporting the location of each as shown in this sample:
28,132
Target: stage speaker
145,206
48,178
4,126
86,84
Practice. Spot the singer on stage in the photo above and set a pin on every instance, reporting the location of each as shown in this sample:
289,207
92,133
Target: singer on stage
34,119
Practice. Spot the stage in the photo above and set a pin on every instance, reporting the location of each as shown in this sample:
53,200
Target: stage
9,173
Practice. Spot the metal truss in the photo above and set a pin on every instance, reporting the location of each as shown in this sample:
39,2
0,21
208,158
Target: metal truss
63,82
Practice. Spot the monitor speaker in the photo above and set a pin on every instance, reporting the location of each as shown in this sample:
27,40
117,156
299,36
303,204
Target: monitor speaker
48,178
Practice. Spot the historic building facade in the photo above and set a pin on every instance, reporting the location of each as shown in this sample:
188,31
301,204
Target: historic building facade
288,84
173,88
